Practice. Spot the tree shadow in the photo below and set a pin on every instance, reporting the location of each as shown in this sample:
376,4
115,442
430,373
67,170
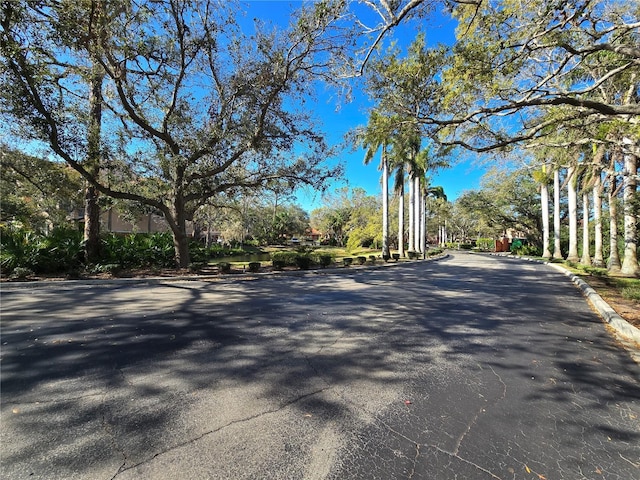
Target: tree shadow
118,367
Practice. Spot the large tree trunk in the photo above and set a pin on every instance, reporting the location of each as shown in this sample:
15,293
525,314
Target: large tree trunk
630,263
544,204
177,220
598,256
586,242
385,205
614,258
401,221
557,251
572,197
91,207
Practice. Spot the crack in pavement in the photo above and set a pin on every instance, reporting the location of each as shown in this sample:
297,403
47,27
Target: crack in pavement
223,427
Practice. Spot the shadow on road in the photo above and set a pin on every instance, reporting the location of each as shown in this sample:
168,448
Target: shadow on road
119,366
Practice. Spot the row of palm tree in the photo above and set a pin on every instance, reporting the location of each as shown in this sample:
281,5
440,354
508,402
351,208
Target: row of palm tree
594,175
400,144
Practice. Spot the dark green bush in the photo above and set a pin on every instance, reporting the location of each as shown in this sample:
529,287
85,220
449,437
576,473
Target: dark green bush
254,267
395,256
60,251
195,267
287,258
324,260
141,250
372,259
303,261
347,261
361,260
412,254
224,267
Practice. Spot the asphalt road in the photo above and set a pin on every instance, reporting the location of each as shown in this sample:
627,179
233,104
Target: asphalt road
471,367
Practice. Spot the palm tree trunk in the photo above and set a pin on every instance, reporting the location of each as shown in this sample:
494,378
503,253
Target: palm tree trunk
557,251
586,242
423,227
614,257
385,206
544,204
598,257
412,242
630,263
401,221
572,196
416,212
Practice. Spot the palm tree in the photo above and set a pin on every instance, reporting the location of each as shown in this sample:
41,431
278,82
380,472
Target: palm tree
376,137
436,192
630,263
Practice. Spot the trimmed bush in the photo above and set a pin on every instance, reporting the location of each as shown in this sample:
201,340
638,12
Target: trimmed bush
303,261
285,258
412,255
347,261
195,267
254,267
361,260
324,260
278,264
395,256
372,259
224,267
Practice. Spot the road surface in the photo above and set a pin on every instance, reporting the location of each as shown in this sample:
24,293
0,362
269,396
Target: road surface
471,367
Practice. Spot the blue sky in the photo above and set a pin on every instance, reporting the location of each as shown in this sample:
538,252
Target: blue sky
464,173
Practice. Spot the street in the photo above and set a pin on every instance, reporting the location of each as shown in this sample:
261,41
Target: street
470,367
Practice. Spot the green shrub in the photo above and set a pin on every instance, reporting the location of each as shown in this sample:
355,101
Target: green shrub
395,256
361,260
278,264
254,267
224,267
412,254
303,261
486,244
434,251
631,292
324,260
347,261
529,250
60,251
21,273
142,250
195,267
595,271
110,268
285,258
372,259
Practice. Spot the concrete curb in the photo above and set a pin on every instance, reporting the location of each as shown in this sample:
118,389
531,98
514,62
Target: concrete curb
609,315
